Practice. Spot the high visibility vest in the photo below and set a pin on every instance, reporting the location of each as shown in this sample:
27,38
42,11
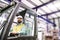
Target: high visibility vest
17,28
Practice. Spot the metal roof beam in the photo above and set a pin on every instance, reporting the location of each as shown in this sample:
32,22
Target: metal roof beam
43,4
50,13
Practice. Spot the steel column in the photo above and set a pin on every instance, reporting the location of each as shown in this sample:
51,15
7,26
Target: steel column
59,25
47,24
54,22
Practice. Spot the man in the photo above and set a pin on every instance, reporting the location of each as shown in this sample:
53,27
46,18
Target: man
20,28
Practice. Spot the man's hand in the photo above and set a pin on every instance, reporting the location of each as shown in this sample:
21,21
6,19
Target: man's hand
13,34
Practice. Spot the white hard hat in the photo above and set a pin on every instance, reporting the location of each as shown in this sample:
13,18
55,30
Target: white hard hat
19,17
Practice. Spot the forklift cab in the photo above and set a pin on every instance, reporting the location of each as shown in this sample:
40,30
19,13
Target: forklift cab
29,19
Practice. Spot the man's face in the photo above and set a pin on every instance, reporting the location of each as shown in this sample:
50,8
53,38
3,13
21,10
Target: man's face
19,20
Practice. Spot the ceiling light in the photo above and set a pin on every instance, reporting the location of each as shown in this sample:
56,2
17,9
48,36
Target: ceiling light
4,1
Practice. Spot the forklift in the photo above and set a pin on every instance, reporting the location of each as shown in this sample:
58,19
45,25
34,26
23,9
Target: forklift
31,20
